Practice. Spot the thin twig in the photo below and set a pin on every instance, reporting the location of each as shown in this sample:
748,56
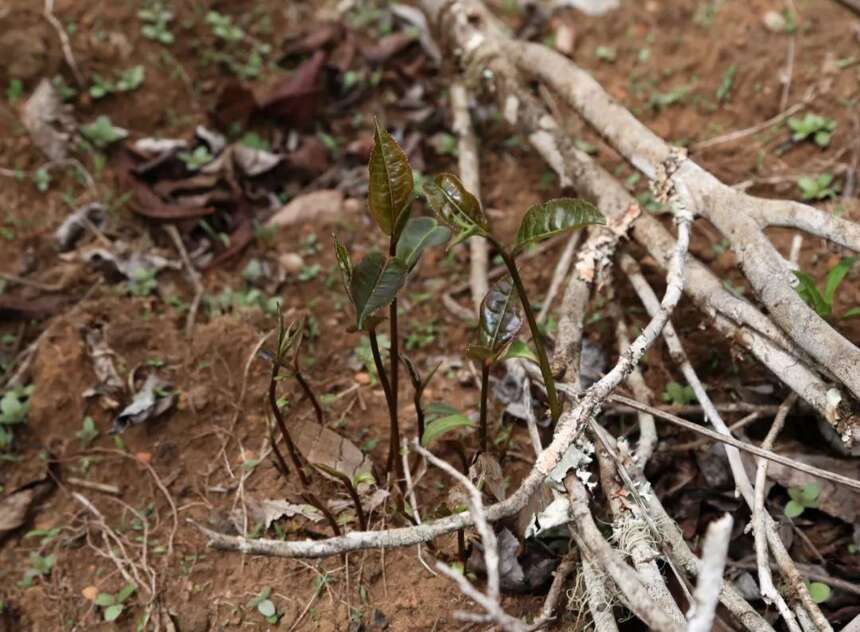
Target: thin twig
740,445
65,44
193,276
714,553
766,586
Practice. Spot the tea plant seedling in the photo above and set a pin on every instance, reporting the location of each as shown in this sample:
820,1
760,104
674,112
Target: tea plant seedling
114,604
813,127
498,326
461,211
822,302
374,282
821,187
802,498
678,394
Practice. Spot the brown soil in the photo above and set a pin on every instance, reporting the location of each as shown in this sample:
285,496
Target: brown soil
201,451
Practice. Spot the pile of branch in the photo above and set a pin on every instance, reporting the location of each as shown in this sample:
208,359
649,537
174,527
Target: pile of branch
785,335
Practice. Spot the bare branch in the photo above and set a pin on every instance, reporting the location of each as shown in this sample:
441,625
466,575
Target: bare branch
470,175
707,593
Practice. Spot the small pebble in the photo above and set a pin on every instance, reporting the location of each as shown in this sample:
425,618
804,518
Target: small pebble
774,21
90,593
292,262
362,378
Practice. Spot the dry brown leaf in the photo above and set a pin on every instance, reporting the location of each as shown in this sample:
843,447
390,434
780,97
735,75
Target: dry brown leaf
322,446
323,206
48,121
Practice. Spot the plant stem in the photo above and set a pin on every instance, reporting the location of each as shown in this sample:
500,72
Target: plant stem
386,387
549,382
307,389
485,384
282,426
419,414
394,384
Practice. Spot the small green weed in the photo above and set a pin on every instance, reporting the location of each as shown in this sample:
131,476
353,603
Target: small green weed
802,498
102,132
822,302
821,187
156,18
678,394
263,604
813,127
114,605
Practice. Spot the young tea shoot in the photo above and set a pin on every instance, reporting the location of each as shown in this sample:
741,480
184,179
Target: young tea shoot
374,282
461,211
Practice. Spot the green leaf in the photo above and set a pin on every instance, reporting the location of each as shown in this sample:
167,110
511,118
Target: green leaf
440,409
266,608
809,293
678,394
344,264
480,353
390,186
499,318
455,206
835,277
375,282
854,312
419,233
793,509
127,591
102,132
520,349
806,495
104,600
444,425
818,591
12,409
112,613
554,217
264,594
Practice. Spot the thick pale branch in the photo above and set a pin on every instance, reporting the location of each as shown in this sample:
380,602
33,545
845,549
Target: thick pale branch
762,265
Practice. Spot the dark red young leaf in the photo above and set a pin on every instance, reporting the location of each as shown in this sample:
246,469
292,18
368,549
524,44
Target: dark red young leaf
296,99
388,46
310,159
314,39
18,308
145,201
344,54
